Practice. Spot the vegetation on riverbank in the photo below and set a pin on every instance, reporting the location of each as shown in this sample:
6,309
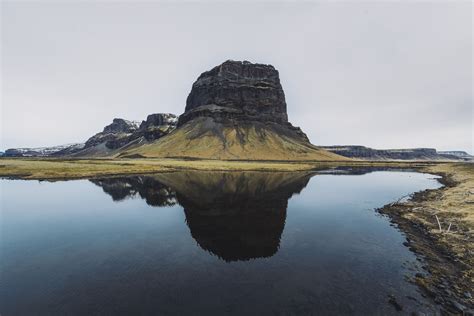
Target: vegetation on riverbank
439,226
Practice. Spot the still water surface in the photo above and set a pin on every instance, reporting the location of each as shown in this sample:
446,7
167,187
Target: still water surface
208,243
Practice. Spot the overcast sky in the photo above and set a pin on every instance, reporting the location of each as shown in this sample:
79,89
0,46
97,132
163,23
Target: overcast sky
385,75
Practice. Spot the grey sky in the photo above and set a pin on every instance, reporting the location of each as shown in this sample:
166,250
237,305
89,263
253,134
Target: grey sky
385,75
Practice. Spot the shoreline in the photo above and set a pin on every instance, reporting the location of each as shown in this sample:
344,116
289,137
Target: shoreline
447,255
51,169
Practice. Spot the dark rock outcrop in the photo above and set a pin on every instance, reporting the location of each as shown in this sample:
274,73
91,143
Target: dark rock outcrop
156,126
363,152
114,135
121,126
236,92
121,132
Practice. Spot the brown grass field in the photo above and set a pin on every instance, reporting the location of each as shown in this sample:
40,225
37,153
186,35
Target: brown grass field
57,169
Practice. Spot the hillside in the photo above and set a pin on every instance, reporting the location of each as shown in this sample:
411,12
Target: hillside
204,138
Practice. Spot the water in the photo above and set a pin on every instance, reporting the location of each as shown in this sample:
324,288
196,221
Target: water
208,243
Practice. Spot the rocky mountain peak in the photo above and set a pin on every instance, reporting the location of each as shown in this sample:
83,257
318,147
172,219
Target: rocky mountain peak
121,126
122,132
159,119
237,90
156,126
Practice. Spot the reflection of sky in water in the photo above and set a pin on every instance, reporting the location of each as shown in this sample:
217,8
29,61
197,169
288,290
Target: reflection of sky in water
66,246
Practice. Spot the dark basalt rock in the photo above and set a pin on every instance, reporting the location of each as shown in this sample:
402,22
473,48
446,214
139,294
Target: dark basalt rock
114,135
122,132
238,92
156,126
121,126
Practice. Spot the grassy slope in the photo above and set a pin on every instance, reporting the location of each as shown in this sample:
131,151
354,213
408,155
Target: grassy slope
198,139
454,204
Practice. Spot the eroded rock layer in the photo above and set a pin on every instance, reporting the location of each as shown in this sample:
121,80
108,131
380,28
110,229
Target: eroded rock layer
237,90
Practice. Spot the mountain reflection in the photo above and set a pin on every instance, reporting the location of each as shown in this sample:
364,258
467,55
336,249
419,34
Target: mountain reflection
234,215
148,188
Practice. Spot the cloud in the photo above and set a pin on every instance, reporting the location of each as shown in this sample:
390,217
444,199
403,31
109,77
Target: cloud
392,74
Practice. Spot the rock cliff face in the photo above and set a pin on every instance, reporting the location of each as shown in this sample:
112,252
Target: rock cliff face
239,90
121,126
236,92
156,126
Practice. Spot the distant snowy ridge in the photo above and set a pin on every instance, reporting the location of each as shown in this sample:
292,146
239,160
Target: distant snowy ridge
457,153
362,152
42,151
119,133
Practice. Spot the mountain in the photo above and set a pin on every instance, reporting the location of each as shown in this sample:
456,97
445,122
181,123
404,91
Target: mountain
114,135
122,134
367,153
43,151
456,153
119,134
236,110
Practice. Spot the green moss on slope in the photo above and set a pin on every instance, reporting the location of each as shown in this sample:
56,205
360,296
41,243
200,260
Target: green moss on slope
204,138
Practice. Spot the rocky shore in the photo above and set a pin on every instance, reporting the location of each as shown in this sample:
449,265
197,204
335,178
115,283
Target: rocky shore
438,225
